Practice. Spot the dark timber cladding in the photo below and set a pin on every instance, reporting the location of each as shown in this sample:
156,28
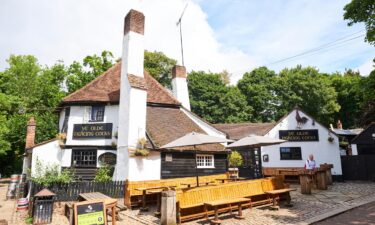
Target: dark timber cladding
366,141
182,164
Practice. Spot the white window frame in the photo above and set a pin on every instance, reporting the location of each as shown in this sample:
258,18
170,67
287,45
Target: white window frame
205,161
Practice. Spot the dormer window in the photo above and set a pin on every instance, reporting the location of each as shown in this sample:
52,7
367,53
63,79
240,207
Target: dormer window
97,113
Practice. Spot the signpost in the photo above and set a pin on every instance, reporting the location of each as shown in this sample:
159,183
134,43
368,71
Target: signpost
92,130
299,135
89,213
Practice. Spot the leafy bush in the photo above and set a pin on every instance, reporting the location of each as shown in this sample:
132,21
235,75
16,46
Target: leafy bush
46,175
235,159
103,174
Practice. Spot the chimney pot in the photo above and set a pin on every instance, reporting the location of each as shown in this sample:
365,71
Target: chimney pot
178,71
339,125
30,133
134,21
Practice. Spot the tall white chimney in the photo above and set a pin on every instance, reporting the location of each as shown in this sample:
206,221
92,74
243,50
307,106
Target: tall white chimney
179,85
133,95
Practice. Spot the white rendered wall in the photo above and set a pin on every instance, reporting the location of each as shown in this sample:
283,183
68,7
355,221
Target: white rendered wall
180,91
79,115
48,154
132,108
354,149
323,150
66,158
145,168
210,130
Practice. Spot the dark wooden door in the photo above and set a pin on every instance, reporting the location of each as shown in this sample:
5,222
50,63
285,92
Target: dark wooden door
252,167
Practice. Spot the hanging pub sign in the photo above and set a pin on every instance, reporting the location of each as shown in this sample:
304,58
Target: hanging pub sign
299,135
92,130
90,212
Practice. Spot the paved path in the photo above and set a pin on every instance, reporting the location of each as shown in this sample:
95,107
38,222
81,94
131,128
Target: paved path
362,215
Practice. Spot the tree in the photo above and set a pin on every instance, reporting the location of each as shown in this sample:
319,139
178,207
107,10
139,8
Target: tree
211,99
92,66
362,11
368,104
259,88
310,90
349,97
160,67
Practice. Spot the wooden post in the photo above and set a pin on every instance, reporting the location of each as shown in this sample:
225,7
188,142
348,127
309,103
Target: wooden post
321,179
305,180
168,208
328,168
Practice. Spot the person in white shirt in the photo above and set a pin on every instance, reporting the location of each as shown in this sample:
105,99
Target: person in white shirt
310,163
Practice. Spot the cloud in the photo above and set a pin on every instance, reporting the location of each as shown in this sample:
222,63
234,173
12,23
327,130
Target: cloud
366,68
234,35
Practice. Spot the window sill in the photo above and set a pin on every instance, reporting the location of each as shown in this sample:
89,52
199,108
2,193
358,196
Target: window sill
205,167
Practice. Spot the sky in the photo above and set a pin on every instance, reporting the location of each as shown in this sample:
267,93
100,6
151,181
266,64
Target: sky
232,35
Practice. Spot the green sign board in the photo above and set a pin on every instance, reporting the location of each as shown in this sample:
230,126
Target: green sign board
90,213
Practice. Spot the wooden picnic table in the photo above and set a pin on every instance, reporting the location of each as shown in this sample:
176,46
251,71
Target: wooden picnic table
151,190
200,184
109,203
230,179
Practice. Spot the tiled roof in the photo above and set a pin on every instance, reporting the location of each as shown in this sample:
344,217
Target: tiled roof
239,130
165,125
106,88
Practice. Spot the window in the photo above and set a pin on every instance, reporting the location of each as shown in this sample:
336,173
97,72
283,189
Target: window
205,161
290,153
64,128
97,114
108,158
84,158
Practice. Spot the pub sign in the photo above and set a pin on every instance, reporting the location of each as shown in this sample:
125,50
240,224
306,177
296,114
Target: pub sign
299,135
92,131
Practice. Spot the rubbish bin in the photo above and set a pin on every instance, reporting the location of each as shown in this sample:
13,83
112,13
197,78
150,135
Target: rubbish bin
43,207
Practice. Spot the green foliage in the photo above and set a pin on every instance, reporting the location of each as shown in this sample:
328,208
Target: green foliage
368,103
216,102
103,174
47,175
259,87
358,11
159,66
235,159
29,220
92,66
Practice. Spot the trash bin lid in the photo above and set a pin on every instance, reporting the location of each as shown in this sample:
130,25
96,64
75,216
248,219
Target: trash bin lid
45,192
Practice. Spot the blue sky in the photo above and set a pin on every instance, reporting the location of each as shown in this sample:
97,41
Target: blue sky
235,35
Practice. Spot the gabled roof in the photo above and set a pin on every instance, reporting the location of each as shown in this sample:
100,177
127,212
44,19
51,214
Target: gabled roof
239,130
106,89
166,124
356,138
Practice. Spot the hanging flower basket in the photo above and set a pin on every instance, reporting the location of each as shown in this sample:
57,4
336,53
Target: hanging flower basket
331,139
140,150
61,137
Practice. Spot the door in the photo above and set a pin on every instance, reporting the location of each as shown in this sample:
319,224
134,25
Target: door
84,158
252,167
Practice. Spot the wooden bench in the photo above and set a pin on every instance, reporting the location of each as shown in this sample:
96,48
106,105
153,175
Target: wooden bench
133,197
227,202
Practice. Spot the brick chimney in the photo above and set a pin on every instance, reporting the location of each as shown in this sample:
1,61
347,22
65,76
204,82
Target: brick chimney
133,97
339,125
30,133
179,85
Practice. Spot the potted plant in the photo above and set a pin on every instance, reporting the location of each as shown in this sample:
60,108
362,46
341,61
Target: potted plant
330,139
61,137
140,150
235,161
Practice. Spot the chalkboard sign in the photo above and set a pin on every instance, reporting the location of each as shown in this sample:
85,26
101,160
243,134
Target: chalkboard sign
92,130
299,135
90,213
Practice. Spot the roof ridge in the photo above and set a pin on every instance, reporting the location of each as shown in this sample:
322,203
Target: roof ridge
105,73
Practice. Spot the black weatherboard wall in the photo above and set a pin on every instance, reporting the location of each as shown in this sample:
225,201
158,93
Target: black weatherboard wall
366,141
183,165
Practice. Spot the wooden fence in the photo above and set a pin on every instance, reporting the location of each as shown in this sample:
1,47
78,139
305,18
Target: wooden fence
70,191
358,167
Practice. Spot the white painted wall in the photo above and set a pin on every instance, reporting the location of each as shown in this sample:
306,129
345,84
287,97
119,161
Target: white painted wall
80,115
323,150
180,91
210,130
48,154
145,168
66,158
354,149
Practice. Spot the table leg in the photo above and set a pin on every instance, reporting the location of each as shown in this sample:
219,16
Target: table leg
158,205
274,203
113,215
240,216
206,211
144,208
216,219
288,200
